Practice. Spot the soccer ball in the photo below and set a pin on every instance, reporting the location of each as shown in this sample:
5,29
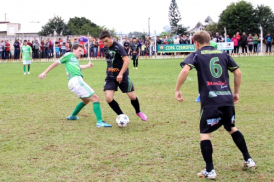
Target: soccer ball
122,120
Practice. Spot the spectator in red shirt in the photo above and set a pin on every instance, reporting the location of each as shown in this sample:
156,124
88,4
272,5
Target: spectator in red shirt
101,46
238,36
82,42
7,51
42,48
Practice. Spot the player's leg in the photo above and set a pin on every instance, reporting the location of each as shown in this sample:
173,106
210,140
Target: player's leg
210,121
238,138
24,68
136,62
112,103
83,91
127,87
96,109
28,68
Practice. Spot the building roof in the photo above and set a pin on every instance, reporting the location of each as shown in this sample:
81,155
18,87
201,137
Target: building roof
209,20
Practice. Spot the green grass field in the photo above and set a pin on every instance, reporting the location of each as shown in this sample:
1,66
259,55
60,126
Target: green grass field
37,143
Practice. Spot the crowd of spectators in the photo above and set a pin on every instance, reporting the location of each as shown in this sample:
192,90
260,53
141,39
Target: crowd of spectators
45,48
93,47
249,44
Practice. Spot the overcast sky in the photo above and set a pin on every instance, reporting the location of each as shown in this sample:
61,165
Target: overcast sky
123,15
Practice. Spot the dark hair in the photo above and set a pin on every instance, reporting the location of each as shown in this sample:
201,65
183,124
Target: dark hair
133,38
104,34
76,46
25,41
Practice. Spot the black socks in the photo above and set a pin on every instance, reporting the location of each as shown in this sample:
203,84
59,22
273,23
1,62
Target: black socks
207,150
115,107
239,140
136,105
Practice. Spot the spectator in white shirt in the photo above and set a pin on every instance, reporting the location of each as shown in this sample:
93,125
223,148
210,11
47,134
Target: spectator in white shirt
176,40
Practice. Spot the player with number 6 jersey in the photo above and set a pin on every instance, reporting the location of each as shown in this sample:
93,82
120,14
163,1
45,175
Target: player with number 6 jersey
217,100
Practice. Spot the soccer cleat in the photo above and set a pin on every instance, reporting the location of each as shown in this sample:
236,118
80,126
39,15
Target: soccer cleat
102,124
249,163
28,73
142,116
72,118
209,175
198,99
136,68
25,73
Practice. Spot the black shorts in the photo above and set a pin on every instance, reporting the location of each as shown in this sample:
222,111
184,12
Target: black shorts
134,57
125,86
214,118
127,50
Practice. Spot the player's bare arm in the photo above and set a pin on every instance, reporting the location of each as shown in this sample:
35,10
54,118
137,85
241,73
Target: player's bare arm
53,65
180,81
129,50
89,65
237,82
123,70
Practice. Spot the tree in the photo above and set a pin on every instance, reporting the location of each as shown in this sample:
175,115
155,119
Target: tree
56,24
174,18
265,17
214,28
239,17
80,25
164,34
113,32
181,29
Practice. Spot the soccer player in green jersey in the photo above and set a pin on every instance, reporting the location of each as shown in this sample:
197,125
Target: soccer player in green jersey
77,85
26,55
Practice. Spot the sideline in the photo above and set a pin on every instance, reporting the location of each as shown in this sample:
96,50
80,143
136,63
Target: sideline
143,57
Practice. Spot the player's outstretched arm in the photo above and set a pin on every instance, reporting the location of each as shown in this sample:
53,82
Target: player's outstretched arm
89,65
237,82
180,81
44,74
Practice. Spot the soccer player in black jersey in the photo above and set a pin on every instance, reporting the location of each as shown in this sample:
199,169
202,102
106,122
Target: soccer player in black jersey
217,101
135,49
118,75
126,45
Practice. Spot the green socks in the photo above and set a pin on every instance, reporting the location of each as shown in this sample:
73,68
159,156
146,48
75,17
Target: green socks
97,111
24,68
28,68
78,108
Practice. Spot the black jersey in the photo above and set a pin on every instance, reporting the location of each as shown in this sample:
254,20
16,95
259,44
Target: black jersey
134,48
126,44
114,55
212,66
